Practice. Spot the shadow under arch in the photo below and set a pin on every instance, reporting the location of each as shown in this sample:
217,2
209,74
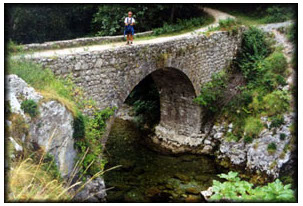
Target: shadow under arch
179,116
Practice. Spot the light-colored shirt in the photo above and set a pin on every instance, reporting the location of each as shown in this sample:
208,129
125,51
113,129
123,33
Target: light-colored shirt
127,20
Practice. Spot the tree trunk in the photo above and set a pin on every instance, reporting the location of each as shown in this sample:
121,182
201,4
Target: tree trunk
172,13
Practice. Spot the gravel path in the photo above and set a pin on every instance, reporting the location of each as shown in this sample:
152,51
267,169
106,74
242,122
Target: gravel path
218,15
270,27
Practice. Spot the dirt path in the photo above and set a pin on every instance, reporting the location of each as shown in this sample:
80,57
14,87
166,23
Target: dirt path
218,15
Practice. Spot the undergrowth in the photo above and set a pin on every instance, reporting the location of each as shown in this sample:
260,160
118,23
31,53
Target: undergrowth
233,189
264,70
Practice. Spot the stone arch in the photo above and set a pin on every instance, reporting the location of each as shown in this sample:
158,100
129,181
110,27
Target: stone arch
180,117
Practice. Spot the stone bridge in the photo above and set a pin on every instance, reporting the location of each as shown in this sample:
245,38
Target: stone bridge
178,66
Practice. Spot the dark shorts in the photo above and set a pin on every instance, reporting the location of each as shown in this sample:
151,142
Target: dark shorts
129,30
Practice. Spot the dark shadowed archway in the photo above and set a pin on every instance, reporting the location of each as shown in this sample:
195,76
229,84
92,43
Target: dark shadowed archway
178,112
178,116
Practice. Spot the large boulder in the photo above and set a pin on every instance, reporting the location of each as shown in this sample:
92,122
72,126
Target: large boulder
51,130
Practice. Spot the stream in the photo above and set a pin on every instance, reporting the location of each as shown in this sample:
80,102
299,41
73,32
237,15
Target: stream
147,176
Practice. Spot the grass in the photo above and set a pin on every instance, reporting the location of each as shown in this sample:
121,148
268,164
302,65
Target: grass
28,182
50,86
34,177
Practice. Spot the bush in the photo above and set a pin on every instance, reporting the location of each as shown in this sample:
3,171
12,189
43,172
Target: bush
277,62
30,107
231,137
276,102
271,147
282,136
182,24
212,92
253,126
248,139
292,33
79,126
254,49
278,13
276,121
237,190
92,142
281,80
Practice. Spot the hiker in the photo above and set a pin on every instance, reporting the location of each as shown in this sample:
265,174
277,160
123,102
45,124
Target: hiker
129,28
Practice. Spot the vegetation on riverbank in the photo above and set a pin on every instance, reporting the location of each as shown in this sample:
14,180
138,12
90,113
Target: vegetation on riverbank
263,70
237,190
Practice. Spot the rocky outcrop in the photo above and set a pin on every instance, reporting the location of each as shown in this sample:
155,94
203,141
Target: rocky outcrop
51,130
256,156
94,191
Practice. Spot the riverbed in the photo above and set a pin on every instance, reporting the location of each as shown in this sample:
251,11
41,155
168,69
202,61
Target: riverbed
148,176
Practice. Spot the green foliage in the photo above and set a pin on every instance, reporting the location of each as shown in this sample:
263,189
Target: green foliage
231,137
30,107
12,47
271,147
237,190
282,136
291,33
212,91
79,126
254,49
230,24
226,23
276,102
281,80
50,166
263,72
278,13
36,23
276,121
145,102
42,79
277,62
109,19
253,126
248,139
92,141
254,14
182,24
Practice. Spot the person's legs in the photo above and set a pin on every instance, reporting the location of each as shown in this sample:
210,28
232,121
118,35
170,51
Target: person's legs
127,42
131,39
132,34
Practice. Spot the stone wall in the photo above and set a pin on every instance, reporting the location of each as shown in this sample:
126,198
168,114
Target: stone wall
182,64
